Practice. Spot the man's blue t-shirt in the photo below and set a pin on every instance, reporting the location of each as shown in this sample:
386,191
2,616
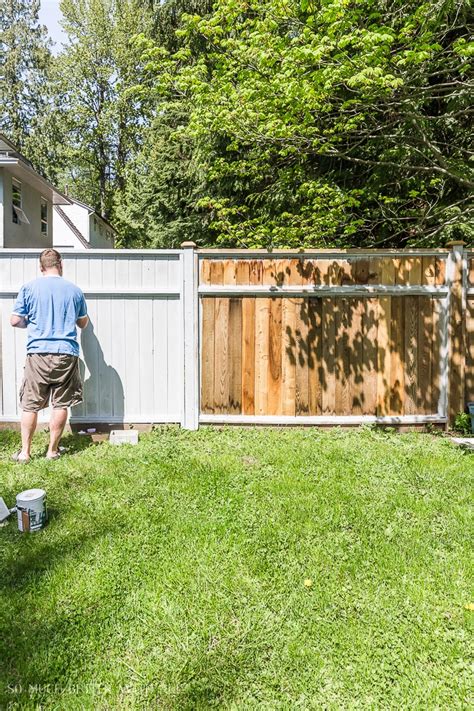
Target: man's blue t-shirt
51,306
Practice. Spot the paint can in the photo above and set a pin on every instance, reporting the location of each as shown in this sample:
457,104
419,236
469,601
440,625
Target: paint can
31,510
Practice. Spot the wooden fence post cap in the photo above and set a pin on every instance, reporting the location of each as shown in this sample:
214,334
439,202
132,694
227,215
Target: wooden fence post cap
456,243
188,245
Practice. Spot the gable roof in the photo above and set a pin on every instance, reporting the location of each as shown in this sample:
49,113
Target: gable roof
72,227
22,169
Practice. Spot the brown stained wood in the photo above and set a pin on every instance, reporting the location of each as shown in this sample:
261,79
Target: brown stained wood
375,270
262,329
470,270
275,357
242,272
328,363
205,271
314,356
389,269
436,354
221,359
428,272
425,360
287,272
440,276
457,342
207,355
397,360
256,271
248,355
356,355
343,346
270,272
384,349
415,273
411,354
302,328
370,318
361,271
343,272
289,357
216,271
469,376
235,356
230,272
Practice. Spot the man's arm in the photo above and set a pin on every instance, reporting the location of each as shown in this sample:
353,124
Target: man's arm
83,321
18,321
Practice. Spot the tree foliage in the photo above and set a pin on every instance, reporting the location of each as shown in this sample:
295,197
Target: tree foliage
24,59
330,122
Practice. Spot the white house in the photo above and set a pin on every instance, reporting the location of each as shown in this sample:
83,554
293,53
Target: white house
26,202
34,214
78,225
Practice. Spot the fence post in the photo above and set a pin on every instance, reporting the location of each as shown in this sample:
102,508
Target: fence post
456,280
190,336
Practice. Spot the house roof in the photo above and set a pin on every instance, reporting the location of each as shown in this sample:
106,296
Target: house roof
72,227
22,169
92,211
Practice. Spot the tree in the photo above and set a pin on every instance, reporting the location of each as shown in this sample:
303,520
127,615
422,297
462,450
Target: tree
25,59
164,182
93,125
330,123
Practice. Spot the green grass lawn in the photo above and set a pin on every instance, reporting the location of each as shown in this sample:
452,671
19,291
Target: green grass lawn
172,575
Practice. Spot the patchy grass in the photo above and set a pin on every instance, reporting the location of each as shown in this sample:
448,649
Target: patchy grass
172,574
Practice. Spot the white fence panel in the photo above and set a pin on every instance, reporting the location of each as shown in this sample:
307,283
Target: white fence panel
132,350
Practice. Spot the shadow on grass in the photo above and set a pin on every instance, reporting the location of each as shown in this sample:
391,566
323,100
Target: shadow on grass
32,639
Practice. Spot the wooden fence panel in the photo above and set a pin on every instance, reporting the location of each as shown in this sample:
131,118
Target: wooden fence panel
312,356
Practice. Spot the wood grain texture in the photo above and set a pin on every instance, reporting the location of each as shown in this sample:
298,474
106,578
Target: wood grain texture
262,332
235,356
289,357
370,318
328,366
343,319
315,356
411,355
436,354
397,360
221,360
302,329
425,355
248,355
384,350
274,357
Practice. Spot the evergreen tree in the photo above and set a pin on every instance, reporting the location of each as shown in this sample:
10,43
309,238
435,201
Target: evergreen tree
25,61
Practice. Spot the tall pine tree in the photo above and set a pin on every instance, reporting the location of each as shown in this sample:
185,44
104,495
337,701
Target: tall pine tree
25,59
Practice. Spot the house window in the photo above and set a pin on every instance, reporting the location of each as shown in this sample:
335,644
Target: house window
18,216
44,217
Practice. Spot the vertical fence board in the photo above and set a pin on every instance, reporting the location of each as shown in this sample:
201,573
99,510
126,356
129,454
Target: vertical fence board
275,357
235,356
289,357
248,355
314,356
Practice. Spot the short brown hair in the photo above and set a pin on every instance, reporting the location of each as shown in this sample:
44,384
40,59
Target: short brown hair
50,258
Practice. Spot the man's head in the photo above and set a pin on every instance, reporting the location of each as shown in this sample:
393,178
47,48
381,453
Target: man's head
51,262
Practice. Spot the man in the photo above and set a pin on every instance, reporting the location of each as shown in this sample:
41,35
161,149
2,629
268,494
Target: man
50,307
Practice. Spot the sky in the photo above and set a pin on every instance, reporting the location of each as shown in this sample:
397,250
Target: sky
50,15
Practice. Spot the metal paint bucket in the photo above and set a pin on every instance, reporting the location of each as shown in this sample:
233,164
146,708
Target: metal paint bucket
31,509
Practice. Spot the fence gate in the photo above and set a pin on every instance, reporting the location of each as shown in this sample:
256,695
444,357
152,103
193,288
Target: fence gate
132,351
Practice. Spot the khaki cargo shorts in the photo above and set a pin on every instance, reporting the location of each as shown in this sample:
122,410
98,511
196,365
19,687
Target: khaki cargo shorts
50,375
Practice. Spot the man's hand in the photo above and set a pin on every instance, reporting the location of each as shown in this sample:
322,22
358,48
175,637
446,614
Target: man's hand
83,321
18,321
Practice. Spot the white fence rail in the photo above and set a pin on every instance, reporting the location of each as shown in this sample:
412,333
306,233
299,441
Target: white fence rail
132,351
